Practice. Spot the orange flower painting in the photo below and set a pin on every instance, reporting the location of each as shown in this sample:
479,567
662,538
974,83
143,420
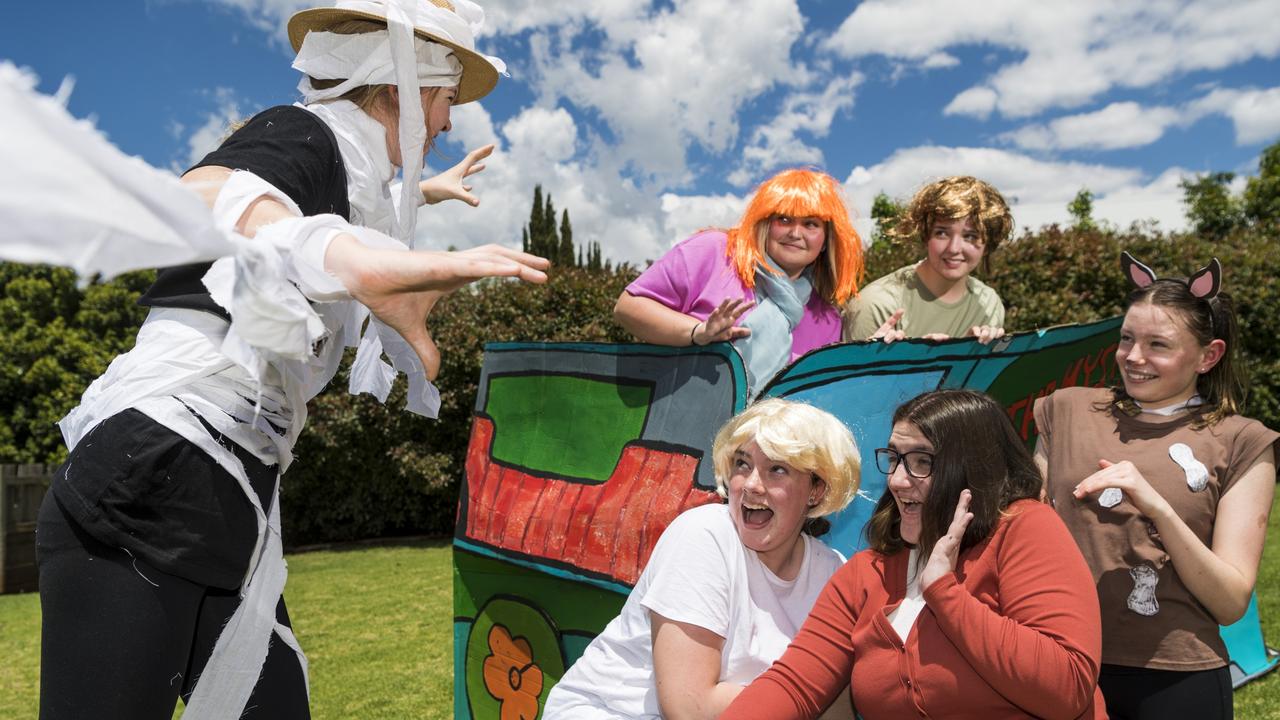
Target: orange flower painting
511,675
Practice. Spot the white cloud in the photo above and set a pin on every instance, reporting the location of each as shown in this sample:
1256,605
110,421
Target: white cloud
548,134
1118,125
1065,53
270,16
976,102
667,79
777,143
1255,113
1037,190
216,126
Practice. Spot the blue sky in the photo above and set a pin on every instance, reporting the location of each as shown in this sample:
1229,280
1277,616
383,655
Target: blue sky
649,120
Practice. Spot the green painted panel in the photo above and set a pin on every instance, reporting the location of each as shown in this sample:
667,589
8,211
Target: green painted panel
565,425
576,606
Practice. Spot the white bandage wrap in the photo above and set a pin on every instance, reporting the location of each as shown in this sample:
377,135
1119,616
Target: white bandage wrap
1110,497
1197,474
1142,599
365,59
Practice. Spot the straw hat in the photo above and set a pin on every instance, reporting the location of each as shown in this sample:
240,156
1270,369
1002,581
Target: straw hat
479,76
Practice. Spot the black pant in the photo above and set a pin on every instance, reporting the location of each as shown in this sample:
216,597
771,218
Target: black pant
122,640
1145,694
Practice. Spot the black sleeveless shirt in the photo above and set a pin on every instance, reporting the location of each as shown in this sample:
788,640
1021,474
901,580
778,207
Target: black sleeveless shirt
294,151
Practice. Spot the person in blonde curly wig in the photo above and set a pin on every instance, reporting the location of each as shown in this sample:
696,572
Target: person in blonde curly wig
960,221
728,585
793,258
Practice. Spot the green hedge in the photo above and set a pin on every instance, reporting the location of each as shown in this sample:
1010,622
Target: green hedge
367,470
1057,276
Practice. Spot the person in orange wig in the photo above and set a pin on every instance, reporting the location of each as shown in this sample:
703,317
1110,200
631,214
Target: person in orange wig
771,285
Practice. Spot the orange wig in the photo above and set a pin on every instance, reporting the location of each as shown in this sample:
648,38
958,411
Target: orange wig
801,193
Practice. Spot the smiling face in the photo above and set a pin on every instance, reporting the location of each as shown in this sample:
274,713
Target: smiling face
768,501
1159,359
909,492
795,242
953,250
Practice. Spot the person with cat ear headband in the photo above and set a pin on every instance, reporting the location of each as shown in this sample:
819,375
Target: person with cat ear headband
1165,487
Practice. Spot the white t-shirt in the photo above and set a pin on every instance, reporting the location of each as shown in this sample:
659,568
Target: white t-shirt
700,573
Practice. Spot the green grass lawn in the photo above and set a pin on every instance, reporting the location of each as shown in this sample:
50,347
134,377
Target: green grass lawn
377,627
376,623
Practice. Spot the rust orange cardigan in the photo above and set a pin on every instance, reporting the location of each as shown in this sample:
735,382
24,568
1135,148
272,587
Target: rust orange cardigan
1014,632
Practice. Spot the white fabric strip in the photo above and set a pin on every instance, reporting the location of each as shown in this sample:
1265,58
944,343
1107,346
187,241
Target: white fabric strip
366,59
402,17
71,198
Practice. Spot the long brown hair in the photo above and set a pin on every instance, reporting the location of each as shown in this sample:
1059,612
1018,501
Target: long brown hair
974,447
1225,386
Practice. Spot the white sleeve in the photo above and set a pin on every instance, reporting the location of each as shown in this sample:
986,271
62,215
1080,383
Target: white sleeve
301,241
691,570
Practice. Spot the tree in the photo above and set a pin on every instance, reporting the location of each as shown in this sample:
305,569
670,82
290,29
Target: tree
1211,208
566,240
1262,193
1081,209
56,339
885,211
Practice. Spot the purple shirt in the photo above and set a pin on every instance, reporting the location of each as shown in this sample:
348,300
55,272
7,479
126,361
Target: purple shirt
695,276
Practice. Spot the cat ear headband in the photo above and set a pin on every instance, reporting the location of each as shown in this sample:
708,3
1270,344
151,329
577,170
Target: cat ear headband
1203,283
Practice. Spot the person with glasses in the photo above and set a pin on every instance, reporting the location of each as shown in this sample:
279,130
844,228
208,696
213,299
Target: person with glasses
971,601
960,222
727,585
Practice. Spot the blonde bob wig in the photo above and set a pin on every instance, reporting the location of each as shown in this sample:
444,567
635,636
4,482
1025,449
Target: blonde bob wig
800,435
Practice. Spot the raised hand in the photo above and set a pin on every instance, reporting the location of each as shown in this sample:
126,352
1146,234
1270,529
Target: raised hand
719,326
1126,478
449,184
888,332
986,333
947,549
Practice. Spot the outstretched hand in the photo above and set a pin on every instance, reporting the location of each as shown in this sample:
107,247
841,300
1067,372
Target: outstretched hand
947,549
401,288
719,326
888,331
450,185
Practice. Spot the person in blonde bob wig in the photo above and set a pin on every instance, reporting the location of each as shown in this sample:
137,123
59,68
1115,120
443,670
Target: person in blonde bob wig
727,585
799,435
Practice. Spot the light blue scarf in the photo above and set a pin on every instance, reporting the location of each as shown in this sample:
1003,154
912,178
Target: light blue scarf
780,305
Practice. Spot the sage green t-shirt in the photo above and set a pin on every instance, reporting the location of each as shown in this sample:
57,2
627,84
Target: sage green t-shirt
925,313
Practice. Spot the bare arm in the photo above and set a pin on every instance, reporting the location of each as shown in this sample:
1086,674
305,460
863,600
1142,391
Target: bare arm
1221,576
686,670
652,322
399,288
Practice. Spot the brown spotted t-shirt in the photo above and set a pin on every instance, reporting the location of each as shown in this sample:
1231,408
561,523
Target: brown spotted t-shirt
1149,618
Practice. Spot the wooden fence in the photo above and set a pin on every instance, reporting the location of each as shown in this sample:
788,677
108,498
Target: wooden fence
22,488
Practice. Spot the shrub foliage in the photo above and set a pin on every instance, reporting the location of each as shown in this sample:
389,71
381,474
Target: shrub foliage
366,470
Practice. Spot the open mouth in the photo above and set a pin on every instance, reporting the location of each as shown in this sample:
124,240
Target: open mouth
910,507
1138,376
756,516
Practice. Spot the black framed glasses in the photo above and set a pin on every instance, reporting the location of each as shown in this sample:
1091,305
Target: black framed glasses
918,463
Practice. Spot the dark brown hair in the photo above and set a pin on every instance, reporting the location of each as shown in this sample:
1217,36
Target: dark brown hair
974,447
1226,385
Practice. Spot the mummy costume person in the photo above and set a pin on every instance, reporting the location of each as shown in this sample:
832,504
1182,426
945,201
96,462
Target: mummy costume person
1165,488
159,543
